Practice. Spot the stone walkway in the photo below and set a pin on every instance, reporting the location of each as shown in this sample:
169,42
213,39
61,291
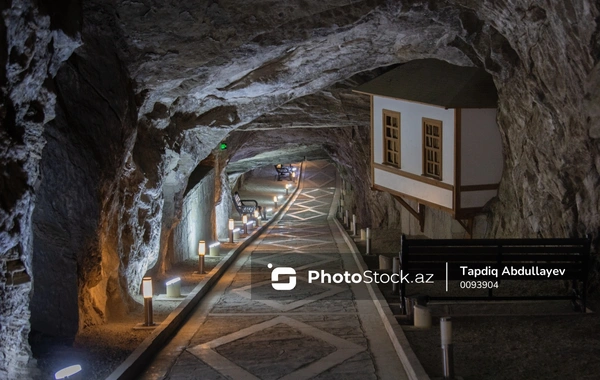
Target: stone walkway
245,329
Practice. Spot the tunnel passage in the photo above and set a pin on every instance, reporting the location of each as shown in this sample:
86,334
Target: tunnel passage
151,92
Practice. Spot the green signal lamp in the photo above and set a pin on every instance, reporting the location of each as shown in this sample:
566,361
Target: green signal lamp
223,146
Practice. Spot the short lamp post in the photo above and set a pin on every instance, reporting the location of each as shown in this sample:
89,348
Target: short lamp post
231,227
275,201
447,349
147,293
257,218
287,189
245,223
368,241
294,176
72,373
201,254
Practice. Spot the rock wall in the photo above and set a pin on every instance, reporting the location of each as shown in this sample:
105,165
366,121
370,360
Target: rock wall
31,51
86,145
197,219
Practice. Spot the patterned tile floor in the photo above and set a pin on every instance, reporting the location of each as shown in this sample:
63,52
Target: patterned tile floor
244,329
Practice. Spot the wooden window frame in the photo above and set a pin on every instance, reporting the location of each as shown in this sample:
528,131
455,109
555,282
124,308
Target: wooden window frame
439,150
386,139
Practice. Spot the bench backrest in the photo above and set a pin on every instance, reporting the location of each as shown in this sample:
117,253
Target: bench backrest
237,200
431,255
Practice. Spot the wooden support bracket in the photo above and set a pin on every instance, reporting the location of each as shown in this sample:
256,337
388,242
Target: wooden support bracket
467,224
419,213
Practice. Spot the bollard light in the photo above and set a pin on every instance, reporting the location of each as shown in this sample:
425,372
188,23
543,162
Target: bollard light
201,254
257,218
396,269
147,293
215,249
71,372
231,226
245,223
368,240
353,225
363,234
447,350
174,287
236,234
422,316
275,201
287,189
294,175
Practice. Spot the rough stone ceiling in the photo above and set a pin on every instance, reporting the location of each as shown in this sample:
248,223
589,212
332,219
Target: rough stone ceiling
217,55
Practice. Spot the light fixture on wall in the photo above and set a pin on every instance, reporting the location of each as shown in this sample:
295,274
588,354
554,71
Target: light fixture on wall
147,293
275,201
231,227
201,254
174,287
245,223
215,249
72,373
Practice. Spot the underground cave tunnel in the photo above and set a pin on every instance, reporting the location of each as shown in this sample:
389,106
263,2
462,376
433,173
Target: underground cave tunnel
128,126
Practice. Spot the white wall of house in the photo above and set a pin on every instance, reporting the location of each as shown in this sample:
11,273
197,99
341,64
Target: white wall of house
417,189
411,148
481,155
411,134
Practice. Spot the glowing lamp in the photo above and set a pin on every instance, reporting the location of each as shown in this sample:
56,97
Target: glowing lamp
236,233
147,287
201,253
231,226
275,198
147,293
71,372
245,223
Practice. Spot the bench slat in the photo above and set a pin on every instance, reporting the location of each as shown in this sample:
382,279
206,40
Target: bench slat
481,250
495,242
451,258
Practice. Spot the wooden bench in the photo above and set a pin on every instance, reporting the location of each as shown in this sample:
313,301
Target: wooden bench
284,171
567,259
246,206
